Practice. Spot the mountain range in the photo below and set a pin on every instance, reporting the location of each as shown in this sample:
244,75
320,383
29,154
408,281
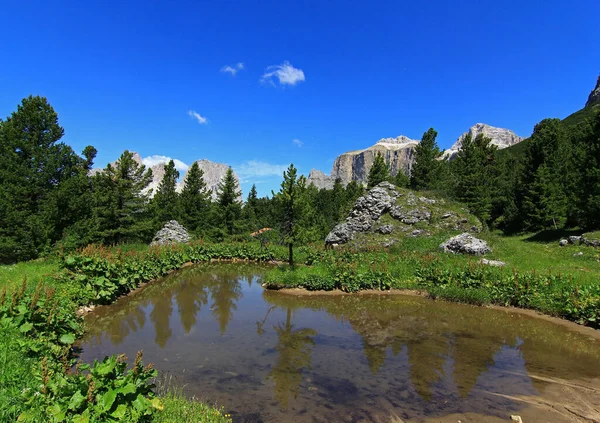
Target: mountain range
398,154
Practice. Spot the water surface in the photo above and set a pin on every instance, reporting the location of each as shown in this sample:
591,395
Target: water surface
272,357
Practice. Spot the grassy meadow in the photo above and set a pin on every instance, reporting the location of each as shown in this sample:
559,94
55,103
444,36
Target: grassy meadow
39,320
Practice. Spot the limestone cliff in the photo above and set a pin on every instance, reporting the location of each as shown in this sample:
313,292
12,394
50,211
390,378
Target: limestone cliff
502,138
355,165
594,95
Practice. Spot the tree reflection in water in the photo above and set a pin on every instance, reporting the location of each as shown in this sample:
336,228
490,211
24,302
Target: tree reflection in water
294,348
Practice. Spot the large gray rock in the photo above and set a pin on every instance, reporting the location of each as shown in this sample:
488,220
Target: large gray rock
465,243
365,212
501,138
171,233
594,95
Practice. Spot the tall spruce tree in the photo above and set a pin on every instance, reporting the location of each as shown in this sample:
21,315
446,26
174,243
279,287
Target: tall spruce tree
250,209
473,169
379,172
120,202
589,192
543,200
425,171
194,200
33,167
229,205
401,180
165,203
293,210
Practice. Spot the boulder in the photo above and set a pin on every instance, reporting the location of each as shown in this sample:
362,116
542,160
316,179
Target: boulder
365,212
171,233
493,263
385,229
465,243
590,242
574,240
341,234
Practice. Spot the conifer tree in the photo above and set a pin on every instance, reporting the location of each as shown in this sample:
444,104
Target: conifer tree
473,170
229,205
33,165
194,200
250,208
165,203
543,200
425,171
401,180
379,172
589,191
293,208
120,202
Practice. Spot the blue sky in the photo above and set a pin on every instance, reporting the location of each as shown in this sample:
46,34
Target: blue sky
318,77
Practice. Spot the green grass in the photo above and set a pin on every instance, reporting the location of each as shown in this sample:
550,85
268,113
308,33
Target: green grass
524,254
15,374
33,271
539,275
178,409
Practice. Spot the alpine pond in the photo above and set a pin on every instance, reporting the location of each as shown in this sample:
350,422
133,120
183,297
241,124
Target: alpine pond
269,356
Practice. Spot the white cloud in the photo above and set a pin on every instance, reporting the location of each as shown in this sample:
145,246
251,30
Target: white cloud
156,159
199,118
298,142
233,69
253,169
285,74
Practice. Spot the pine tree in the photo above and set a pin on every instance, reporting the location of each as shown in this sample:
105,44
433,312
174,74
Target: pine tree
120,202
425,171
293,218
379,172
229,206
194,200
589,165
542,197
33,165
250,208
165,203
473,170
402,180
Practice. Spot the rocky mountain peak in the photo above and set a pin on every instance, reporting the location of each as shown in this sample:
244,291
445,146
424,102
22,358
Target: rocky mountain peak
400,141
594,95
501,138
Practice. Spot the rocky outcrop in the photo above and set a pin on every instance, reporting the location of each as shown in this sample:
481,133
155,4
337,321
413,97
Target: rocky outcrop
365,212
355,165
171,233
465,243
594,96
501,138
387,213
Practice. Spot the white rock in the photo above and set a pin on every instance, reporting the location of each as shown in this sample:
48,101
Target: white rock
465,243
